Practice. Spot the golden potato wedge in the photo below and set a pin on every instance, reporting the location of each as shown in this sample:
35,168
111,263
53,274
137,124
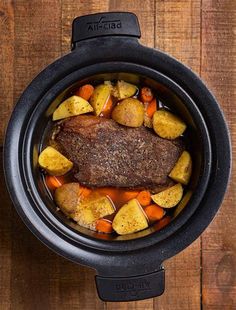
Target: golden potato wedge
130,218
72,106
170,197
125,90
129,112
54,162
92,208
183,169
99,97
168,125
67,198
183,203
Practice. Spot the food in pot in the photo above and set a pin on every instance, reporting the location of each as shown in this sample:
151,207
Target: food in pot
129,112
124,90
170,197
130,218
54,162
99,97
183,169
84,210
124,165
167,125
67,197
85,91
107,154
93,208
72,106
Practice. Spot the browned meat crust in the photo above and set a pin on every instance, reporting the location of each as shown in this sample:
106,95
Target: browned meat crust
105,153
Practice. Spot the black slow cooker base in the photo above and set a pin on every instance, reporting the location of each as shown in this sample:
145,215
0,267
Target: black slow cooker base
107,43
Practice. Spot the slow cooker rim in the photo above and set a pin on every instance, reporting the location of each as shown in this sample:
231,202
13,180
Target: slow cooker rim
107,244
205,92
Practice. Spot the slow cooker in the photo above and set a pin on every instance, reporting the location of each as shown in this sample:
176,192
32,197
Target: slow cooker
105,46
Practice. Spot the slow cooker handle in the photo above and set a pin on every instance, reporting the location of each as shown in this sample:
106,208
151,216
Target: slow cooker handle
131,288
104,24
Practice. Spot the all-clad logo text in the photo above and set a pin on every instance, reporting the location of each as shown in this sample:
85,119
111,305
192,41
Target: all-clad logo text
103,24
133,288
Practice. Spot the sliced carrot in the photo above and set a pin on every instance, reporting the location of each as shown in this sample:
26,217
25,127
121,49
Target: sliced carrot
104,226
85,91
108,191
84,191
118,196
151,108
154,212
146,94
107,109
162,223
128,195
54,182
144,198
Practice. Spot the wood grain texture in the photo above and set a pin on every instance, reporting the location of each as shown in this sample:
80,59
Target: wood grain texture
5,244
6,61
178,33
37,42
201,33
218,70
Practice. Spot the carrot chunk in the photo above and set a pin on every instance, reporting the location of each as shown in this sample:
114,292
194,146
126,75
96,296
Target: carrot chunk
107,109
128,195
146,94
85,91
54,182
151,108
144,198
154,212
84,192
105,226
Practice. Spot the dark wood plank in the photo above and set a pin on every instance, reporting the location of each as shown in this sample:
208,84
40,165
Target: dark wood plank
6,90
5,244
37,43
6,62
72,9
33,277
218,70
178,33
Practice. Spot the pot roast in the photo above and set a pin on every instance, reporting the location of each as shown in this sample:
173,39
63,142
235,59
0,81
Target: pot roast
105,153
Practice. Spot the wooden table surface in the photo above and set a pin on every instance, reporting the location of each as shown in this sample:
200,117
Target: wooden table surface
200,33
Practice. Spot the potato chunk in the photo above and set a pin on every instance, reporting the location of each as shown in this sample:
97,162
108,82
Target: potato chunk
183,168
99,97
170,197
129,112
72,106
130,218
183,203
125,90
168,125
92,208
54,162
67,198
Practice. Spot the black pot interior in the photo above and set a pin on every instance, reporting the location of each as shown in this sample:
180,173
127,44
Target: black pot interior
167,97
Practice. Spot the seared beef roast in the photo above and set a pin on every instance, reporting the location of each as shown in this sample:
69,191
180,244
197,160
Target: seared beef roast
105,153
